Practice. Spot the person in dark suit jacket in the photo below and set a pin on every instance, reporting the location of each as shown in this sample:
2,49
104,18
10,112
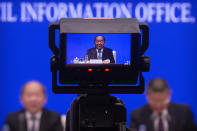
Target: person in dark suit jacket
100,52
160,114
49,121
33,117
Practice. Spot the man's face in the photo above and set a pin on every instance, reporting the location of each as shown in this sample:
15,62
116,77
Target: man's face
158,101
33,97
99,42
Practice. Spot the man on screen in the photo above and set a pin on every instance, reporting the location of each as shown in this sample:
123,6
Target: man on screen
34,117
160,114
100,52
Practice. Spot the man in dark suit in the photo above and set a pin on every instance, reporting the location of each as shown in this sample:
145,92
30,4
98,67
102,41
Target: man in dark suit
160,114
100,52
33,117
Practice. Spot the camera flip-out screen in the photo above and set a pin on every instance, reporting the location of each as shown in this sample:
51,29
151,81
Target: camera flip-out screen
95,48
97,55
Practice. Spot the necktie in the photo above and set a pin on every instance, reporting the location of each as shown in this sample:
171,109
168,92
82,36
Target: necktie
33,118
161,127
99,54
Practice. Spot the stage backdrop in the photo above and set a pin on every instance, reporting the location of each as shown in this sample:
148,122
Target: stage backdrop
25,54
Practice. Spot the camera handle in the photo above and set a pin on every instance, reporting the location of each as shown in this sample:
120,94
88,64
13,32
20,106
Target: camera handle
52,45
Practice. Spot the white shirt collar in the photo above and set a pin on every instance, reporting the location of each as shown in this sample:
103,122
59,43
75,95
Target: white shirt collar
37,115
163,113
101,50
164,116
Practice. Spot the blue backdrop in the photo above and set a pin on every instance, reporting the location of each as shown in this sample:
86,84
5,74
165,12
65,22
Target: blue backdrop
25,54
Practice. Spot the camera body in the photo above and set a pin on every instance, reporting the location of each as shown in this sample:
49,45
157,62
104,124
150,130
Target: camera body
94,109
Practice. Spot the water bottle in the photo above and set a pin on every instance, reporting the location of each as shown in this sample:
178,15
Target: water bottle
81,60
86,59
76,60
114,55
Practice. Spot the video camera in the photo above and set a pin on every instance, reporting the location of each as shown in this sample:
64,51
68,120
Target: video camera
94,109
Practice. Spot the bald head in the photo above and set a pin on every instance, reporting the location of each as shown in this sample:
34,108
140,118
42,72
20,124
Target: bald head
33,84
33,96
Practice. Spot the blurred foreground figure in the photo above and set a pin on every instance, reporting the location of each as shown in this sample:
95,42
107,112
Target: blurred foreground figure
160,114
33,117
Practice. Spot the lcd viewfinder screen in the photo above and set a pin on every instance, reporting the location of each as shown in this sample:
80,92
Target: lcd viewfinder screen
86,48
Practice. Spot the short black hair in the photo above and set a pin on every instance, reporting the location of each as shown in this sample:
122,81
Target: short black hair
98,36
157,85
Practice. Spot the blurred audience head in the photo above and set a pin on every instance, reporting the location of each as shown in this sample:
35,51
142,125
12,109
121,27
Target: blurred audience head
158,94
33,96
